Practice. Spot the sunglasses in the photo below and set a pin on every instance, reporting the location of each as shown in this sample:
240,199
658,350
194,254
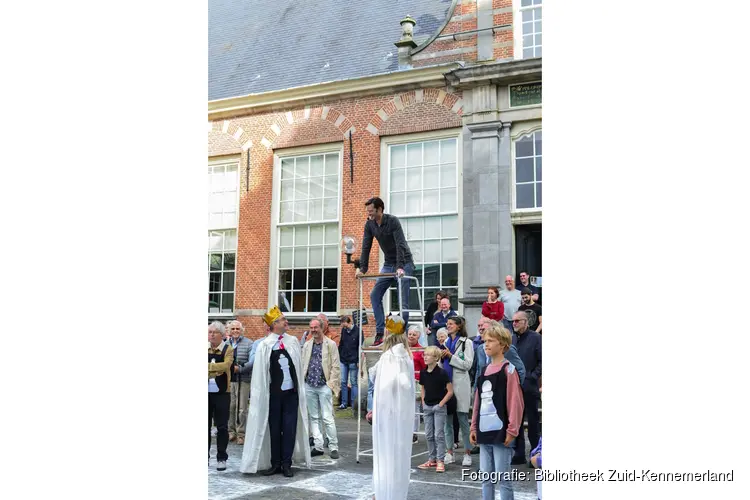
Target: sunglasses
518,320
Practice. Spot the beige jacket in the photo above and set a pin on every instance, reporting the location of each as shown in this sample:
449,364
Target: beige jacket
331,364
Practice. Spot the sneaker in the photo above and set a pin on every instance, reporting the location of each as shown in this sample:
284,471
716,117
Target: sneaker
475,450
427,465
467,461
448,458
232,436
378,340
414,439
315,452
440,467
221,465
335,454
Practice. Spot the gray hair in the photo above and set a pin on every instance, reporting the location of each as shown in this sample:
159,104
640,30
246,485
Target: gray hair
322,317
320,322
218,325
441,330
418,328
242,327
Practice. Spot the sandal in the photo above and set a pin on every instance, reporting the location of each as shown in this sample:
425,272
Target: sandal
428,465
440,467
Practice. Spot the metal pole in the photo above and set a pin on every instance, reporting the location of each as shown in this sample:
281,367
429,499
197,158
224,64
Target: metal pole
400,302
359,368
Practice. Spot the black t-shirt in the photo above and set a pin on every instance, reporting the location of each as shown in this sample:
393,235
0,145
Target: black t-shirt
435,385
536,311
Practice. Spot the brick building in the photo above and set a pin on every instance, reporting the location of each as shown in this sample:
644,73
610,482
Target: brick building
444,121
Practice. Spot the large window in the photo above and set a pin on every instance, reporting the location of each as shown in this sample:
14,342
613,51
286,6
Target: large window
423,187
222,236
222,256
308,234
529,28
528,171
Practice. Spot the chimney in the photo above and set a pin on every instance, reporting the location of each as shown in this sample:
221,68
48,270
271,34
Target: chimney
406,43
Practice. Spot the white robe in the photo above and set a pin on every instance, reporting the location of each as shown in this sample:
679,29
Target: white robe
256,453
393,417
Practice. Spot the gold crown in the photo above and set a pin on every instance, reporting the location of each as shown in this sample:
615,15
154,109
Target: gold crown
395,324
272,315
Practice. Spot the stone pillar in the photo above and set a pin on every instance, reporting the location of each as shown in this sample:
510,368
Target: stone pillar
406,43
487,229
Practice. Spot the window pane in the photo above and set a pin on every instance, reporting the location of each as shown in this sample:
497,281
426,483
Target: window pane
331,186
528,28
413,154
431,152
432,251
413,203
329,301
432,227
227,284
287,168
316,235
332,164
450,250
229,262
316,257
448,151
217,180
524,147
300,211
450,275
300,236
300,257
537,26
539,194
448,175
414,178
330,279
301,187
215,262
398,203
286,214
448,200
525,196
214,202
285,280
215,241
525,170
527,15
317,187
539,168
398,179
450,226
330,208
538,39
214,302
332,234
398,156
314,300
299,279
287,237
302,167
416,250
317,166
431,275
299,301
230,240
285,258
230,179
315,279
431,178
528,40
214,282
538,142
332,256
415,229
527,53
430,201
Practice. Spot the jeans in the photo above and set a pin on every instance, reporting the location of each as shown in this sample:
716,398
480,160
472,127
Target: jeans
282,426
496,458
241,395
320,407
463,422
381,286
348,370
434,429
218,411
417,411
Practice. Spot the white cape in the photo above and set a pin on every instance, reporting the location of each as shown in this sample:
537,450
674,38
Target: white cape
393,418
256,453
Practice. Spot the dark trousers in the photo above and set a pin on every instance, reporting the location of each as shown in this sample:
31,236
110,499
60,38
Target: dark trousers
218,412
282,423
531,409
455,427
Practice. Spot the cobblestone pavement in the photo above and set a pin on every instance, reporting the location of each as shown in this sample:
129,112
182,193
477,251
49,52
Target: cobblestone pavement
345,478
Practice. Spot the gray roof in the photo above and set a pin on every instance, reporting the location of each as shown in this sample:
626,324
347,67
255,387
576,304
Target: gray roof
257,46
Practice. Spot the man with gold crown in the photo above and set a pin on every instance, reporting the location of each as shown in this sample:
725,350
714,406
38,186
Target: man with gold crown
277,422
392,414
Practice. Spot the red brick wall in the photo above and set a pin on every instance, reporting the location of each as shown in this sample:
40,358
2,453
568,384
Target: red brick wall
414,112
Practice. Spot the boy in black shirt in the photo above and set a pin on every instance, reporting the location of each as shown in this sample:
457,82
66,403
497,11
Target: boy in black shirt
437,390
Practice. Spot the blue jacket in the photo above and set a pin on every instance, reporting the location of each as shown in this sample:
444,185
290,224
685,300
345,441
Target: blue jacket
529,347
439,320
511,356
349,345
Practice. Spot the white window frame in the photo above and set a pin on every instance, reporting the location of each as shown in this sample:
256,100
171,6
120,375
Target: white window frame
232,162
517,133
518,27
221,292
273,270
385,178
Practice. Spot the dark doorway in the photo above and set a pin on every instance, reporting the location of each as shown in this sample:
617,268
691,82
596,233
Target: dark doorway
529,250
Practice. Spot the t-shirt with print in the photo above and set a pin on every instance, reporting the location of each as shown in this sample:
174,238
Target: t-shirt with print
315,375
536,310
435,385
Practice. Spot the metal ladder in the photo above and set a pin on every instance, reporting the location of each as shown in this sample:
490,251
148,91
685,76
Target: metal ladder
362,311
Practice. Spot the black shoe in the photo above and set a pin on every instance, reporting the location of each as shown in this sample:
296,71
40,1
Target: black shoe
475,450
378,340
414,438
518,461
335,454
287,470
275,469
315,452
